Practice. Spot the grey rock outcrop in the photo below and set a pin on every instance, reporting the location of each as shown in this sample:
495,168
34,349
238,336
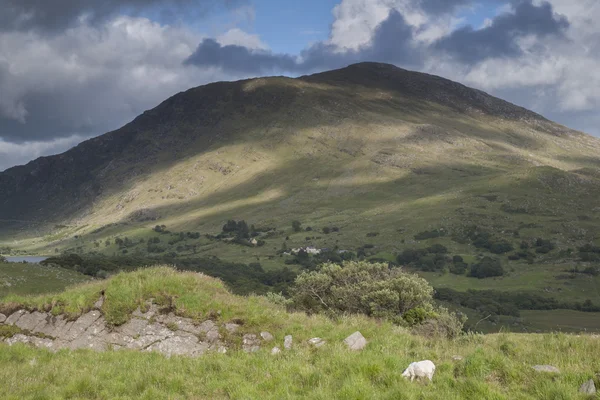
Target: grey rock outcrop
546,368
250,343
147,330
588,388
2,318
356,341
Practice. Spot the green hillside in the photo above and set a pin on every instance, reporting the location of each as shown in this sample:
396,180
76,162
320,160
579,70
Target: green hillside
372,160
32,279
495,366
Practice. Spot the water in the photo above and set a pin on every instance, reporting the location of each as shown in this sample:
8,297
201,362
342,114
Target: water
32,260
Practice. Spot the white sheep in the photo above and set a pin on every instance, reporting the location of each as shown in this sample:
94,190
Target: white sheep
419,369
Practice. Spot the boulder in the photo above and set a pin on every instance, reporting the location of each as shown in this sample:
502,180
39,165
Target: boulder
231,328
250,343
356,341
267,337
287,342
546,368
588,388
317,342
2,318
276,350
14,317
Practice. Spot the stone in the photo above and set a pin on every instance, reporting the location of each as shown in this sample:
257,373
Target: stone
356,341
287,342
2,318
588,388
14,317
28,322
250,343
98,304
179,345
316,342
457,358
231,328
546,368
32,340
267,337
80,325
211,331
152,311
276,350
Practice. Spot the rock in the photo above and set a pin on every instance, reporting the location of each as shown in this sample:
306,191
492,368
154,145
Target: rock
356,341
267,337
588,388
457,358
80,326
287,342
179,345
14,317
231,328
211,330
98,305
546,368
317,342
276,350
250,343
28,322
2,318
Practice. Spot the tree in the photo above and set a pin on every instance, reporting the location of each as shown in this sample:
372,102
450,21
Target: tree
487,267
2,259
359,287
296,226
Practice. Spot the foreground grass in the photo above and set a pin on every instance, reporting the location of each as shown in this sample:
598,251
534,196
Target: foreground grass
493,366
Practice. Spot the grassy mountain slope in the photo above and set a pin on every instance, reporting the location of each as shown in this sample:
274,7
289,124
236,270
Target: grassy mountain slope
493,366
370,148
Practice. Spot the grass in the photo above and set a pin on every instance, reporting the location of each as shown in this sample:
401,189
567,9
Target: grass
31,279
494,366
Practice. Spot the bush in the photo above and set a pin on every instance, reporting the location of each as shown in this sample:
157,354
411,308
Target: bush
296,226
361,288
486,268
326,230
442,324
436,233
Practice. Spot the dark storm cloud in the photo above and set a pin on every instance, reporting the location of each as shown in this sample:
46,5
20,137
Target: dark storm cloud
500,38
391,43
56,15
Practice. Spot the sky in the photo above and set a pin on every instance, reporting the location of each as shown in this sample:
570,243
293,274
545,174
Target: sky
74,69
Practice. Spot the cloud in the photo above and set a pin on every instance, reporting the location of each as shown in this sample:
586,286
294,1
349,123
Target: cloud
391,42
57,15
500,38
89,79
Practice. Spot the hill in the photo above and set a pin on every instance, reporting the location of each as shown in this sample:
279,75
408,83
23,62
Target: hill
371,160
489,367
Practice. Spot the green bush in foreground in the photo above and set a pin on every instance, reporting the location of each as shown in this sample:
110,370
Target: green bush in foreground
374,290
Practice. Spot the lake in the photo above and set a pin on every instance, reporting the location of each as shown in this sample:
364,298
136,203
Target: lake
32,260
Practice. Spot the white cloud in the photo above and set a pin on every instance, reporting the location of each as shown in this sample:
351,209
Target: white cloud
238,37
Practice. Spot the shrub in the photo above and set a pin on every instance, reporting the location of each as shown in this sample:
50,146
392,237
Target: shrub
326,230
486,268
442,324
361,288
296,226
430,234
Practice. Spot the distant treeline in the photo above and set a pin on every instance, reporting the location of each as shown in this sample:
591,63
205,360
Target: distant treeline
508,303
241,278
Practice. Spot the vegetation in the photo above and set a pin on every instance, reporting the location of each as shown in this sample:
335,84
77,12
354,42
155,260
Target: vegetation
493,366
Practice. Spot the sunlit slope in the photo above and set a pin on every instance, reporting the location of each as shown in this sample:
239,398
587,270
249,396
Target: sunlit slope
370,147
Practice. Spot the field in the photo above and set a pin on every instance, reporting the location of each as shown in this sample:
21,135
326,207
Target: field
32,279
494,366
